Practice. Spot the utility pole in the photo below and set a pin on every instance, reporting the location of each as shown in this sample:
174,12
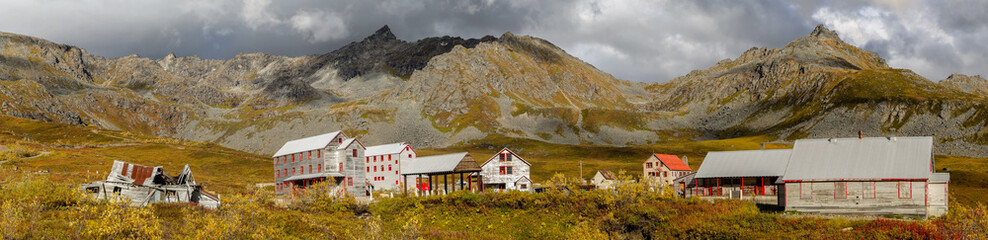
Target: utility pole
581,172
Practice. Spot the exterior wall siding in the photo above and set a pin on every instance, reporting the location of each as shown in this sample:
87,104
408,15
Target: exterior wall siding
388,171
355,176
867,197
330,159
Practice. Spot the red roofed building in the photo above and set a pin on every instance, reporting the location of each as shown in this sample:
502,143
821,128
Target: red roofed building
663,168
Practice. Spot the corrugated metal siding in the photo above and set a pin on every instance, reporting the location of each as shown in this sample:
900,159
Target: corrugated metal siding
753,163
865,159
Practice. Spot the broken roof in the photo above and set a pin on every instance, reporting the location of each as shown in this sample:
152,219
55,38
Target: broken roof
454,162
393,148
751,163
132,173
873,158
307,144
673,162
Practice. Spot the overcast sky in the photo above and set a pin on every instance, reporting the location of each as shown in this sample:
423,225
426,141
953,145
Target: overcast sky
649,41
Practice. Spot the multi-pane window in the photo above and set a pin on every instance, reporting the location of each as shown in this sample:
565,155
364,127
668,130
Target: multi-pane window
500,157
355,153
805,190
507,157
504,170
905,189
868,190
310,168
840,190
279,172
319,153
319,167
524,186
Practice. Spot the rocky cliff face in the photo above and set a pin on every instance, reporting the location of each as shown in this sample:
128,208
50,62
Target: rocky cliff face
447,90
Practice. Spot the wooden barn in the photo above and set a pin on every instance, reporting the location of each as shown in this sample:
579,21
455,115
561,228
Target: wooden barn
327,157
871,176
662,169
144,185
750,175
384,164
506,171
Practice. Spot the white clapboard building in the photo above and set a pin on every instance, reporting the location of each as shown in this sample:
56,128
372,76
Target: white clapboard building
327,157
384,165
506,171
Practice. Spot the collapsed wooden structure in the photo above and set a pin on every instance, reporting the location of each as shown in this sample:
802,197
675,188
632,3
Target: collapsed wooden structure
144,185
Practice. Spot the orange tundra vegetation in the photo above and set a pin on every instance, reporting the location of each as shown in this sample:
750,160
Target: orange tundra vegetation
35,207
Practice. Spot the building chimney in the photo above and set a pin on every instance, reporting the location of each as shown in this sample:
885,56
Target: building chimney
860,134
763,146
686,160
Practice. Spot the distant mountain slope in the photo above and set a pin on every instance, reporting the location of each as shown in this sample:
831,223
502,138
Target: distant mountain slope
819,86
448,90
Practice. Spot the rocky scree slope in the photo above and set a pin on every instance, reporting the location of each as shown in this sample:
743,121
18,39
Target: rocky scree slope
448,90
819,86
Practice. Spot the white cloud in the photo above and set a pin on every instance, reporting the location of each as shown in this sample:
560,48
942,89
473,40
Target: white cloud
256,15
319,26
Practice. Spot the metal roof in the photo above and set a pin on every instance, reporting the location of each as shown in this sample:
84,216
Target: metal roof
608,175
506,150
392,148
306,144
861,159
313,175
437,164
940,178
752,163
673,162
346,143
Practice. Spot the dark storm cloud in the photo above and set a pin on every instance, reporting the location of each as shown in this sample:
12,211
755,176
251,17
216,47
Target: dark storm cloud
635,40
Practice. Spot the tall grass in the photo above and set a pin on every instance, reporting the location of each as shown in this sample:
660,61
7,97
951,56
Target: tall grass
33,206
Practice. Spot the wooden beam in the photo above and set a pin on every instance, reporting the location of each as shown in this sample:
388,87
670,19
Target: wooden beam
445,183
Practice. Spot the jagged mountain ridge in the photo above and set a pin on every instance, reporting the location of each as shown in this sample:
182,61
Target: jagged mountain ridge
448,90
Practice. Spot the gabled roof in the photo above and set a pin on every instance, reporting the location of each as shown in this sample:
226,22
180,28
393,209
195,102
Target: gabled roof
306,144
523,177
347,142
673,162
393,148
873,158
608,175
752,163
454,162
509,151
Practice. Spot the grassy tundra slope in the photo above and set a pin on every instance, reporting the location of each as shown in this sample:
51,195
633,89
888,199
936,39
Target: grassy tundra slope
75,154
